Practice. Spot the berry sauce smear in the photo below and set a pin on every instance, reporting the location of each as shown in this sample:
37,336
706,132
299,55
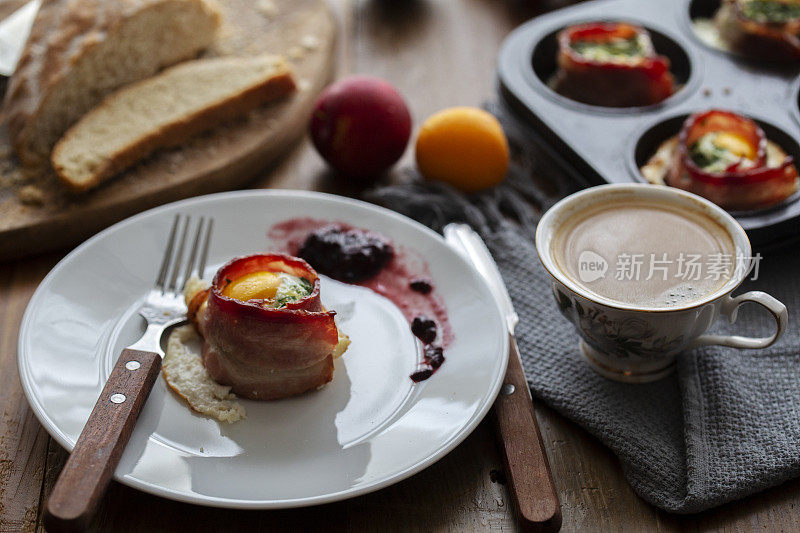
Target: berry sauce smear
366,258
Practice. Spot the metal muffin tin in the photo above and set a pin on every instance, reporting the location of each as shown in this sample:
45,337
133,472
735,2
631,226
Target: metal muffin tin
608,145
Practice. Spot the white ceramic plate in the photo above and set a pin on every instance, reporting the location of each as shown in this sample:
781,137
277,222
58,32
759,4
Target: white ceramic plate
369,428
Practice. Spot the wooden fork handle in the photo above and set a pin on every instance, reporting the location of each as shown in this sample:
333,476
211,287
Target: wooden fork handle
87,473
527,470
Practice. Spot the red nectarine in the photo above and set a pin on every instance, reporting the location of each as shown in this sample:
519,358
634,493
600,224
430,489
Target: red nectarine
360,126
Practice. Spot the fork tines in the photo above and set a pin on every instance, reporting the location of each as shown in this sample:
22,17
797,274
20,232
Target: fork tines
169,279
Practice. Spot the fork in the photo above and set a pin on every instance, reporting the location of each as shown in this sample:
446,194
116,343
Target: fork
87,473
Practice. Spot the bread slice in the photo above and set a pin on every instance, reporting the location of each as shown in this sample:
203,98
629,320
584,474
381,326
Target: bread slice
185,374
165,111
79,51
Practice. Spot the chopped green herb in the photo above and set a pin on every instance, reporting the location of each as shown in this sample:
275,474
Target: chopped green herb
609,50
773,11
711,157
291,289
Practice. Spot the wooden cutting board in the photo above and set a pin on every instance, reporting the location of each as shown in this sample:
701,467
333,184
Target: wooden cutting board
225,158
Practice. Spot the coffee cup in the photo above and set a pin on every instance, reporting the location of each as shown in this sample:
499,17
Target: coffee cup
618,257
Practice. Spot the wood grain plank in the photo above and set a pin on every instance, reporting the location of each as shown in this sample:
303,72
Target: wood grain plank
55,458
23,442
594,494
457,493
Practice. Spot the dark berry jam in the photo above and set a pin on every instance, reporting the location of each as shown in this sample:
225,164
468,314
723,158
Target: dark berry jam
421,375
422,286
424,328
434,356
351,255
432,359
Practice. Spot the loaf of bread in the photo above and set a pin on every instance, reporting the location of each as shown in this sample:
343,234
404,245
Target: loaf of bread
164,111
79,51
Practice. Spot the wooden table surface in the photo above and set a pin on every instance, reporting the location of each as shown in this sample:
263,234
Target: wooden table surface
439,53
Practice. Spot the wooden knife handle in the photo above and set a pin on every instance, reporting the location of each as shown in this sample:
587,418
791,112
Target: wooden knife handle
87,473
527,470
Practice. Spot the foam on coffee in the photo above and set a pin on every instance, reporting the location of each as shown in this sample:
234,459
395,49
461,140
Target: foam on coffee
624,232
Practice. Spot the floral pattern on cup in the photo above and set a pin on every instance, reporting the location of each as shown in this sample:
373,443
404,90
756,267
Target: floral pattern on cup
627,337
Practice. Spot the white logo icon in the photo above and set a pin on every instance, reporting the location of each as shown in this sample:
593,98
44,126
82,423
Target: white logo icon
591,266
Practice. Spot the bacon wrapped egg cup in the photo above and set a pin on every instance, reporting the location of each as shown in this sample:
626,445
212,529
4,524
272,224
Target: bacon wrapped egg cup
762,29
726,158
612,65
265,332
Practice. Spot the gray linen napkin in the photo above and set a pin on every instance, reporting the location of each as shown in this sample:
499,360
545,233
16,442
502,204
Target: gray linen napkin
726,425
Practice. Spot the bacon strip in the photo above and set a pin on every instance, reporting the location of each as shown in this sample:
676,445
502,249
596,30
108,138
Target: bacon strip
261,352
763,40
644,81
736,188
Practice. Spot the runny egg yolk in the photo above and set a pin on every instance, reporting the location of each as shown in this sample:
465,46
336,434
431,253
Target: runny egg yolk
253,286
735,144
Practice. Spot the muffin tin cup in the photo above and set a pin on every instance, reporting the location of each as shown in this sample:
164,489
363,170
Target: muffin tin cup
650,138
705,9
544,64
604,145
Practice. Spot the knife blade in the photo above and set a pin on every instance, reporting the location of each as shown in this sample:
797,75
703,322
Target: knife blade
14,31
527,469
468,243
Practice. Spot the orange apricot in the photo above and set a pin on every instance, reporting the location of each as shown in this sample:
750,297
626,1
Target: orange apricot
463,146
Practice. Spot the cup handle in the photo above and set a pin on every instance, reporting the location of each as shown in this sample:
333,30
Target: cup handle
730,308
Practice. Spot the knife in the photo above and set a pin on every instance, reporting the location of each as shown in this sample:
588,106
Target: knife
14,31
527,470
